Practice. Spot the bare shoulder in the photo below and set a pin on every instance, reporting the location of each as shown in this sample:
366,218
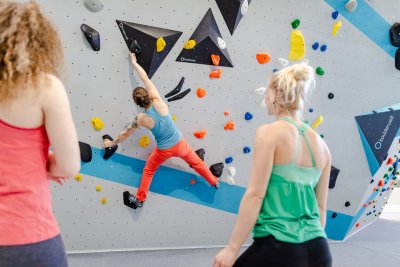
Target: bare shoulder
52,89
268,132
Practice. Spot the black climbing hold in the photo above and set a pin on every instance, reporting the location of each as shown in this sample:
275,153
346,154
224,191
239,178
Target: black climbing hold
92,36
86,152
395,34
216,169
208,41
142,40
177,89
334,215
200,152
109,150
179,96
331,95
233,12
397,59
372,180
333,177
347,204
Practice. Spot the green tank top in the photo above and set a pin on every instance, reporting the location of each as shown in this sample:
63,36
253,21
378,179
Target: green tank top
290,211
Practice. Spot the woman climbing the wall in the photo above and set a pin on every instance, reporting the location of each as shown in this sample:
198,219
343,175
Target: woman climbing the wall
285,201
170,142
34,113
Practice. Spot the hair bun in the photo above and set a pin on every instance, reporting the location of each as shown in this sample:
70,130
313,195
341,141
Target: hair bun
303,72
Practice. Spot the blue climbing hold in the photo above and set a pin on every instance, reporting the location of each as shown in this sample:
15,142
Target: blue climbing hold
228,160
311,110
248,116
335,14
246,149
384,189
315,45
324,48
274,70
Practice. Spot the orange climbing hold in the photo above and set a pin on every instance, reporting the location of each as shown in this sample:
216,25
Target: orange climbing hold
192,181
390,161
201,92
215,59
216,74
226,113
375,189
230,125
200,134
263,58
380,182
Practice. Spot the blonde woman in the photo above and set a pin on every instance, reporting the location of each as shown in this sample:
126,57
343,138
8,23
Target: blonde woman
34,114
285,201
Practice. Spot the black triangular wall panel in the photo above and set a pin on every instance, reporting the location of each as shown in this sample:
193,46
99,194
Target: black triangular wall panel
206,36
146,37
230,10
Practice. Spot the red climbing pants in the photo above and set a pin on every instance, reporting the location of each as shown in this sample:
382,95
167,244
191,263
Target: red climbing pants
158,156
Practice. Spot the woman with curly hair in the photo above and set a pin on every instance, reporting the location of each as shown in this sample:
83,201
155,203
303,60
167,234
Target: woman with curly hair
34,114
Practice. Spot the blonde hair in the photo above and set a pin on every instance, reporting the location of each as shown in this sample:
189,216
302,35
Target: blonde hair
288,88
29,48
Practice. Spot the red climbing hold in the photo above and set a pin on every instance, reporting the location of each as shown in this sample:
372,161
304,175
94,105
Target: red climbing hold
365,205
230,125
226,113
201,92
192,181
215,59
375,189
200,134
380,182
358,224
216,74
389,162
263,58
370,202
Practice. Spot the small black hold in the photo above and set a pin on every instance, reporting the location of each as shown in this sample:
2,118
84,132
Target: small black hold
397,59
109,151
395,34
372,180
333,177
135,48
331,95
217,168
92,36
347,204
86,152
200,152
334,215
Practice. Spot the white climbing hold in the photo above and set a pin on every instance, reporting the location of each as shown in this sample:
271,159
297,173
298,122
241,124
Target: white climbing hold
221,43
232,171
260,90
283,62
244,7
94,5
230,180
351,5
263,104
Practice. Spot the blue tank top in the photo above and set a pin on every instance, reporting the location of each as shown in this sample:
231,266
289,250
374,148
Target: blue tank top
164,130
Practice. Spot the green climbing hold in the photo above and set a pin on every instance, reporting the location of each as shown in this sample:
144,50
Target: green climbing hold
295,23
391,169
320,71
322,136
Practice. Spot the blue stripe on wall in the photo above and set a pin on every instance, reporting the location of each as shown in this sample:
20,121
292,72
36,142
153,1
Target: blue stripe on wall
368,21
336,228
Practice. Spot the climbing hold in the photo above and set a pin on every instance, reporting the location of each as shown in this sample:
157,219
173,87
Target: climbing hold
248,116
232,171
263,58
365,205
97,123
135,48
295,23
144,141
86,152
384,189
315,46
317,122
347,204
246,149
283,62
324,48
311,110
109,151
201,93
395,34
221,43
179,96
351,5
78,177
331,95
189,44
228,160
260,90
177,89
244,7
397,59
217,168
320,71
160,44
216,74
333,177
98,188
335,14
192,181
297,46
230,125
357,224
215,59
103,200
200,153
92,36
334,215
173,118
380,183
275,70
93,5
336,27
200,134
263,104
230,180
226,113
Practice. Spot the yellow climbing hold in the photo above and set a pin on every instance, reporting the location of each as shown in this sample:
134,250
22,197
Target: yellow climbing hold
97,123
98,188
297,46
160,44
174,118
190,44
103,200
78,177
336,27
317,122
144,141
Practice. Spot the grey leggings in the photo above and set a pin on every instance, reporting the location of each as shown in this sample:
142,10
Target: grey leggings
47,253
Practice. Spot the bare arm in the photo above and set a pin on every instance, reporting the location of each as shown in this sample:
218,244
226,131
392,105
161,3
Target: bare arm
123,135
153,93
321,190
65,161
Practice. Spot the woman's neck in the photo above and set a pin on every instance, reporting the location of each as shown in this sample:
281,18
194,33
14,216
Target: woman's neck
294,115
